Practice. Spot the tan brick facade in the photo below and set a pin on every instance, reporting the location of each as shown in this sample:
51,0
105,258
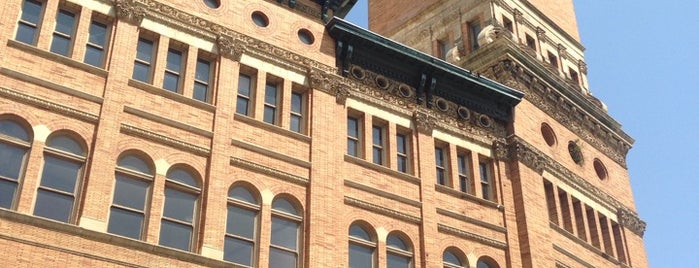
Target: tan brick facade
491,209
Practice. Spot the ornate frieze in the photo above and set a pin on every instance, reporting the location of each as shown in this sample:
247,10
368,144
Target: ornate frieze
424,122
471,236
516,149
563,110
48,105
175,143
272,172
130,11
229,47
382,210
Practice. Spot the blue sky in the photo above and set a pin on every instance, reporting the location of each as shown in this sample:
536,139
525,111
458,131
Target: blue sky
643,61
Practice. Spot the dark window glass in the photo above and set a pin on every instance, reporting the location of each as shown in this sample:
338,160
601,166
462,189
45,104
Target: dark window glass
93,56
281,259
402,152
306,36
7,192
284,248
141,72
175,235
179,205
98,33
241,222
12,129
244,90
398,253
485,180
60,174
12,158
462,161
131,190
482,264
125,223
29,21
508,24
66,144
130,193
241,194
238,251
296,112
144,57
360,256
553,60
94,53
212,3
450,258
53,205
285,206
173,67
135,163
441,169
260,19
397,261
59,180
183,177
475,29
65,24
270,111
241,227
352,136
144,50
284,233
531,43
359,232
201,80
377,144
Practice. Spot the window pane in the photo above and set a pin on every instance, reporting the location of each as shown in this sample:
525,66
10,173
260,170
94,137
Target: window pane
31,11
53,206
352,147
284,233
125,223
25,34
65,144
98,33
241,222
396,242
65,22
439,157
450,258
361,257
175,235
60,45
378,156
11,160
357,231
130,192
93,56
13,129
7,193
296,102
141,72
242,194
238,251
376,133
60,174
242,106
482,264
269,114
200,91
295,124
398,261
179,205
281,259
134,163
244,83
144,50
402,164
174,60
183,177
171,82
203,71
352,127
271,94
400,143
284,205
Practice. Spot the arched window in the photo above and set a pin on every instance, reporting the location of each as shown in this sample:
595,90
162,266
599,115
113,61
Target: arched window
286,230
14,145
242,227
177,227
127,214
486,262
362,247
57,196
398,253
453,259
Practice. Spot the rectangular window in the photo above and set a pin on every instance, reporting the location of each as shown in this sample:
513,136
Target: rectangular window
606,237
245,86
551,202
553,60
202,76
173,68
96,43
403,163
297,110
592,224
507,23
270,111
474,29
579,219
28,24
565,210
462,160
531,43
377,145
618,238
485,180
144,60
441,165
443,46
353,145
63,34
573,75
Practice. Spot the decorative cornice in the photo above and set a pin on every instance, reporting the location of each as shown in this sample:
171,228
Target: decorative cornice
270,153
612,143
272,172
468,219
519,150
424,122
631,221
382,210
229,47
178,144
381,193
130,11
471,236
51,106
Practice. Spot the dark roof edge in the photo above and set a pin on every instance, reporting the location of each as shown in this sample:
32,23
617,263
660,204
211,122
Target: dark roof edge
346,28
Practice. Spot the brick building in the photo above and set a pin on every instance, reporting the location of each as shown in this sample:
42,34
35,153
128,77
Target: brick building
148,133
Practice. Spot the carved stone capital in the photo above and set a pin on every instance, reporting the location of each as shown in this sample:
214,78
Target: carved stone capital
501,150
631,221
517,14
229,47
540,33
342,92
424,121
582,66
130,11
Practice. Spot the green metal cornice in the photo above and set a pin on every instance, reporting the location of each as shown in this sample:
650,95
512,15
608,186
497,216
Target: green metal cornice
429,75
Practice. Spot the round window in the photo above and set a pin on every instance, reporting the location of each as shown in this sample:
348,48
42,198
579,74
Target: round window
260,19
547,133
600,169
306,36
212,3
